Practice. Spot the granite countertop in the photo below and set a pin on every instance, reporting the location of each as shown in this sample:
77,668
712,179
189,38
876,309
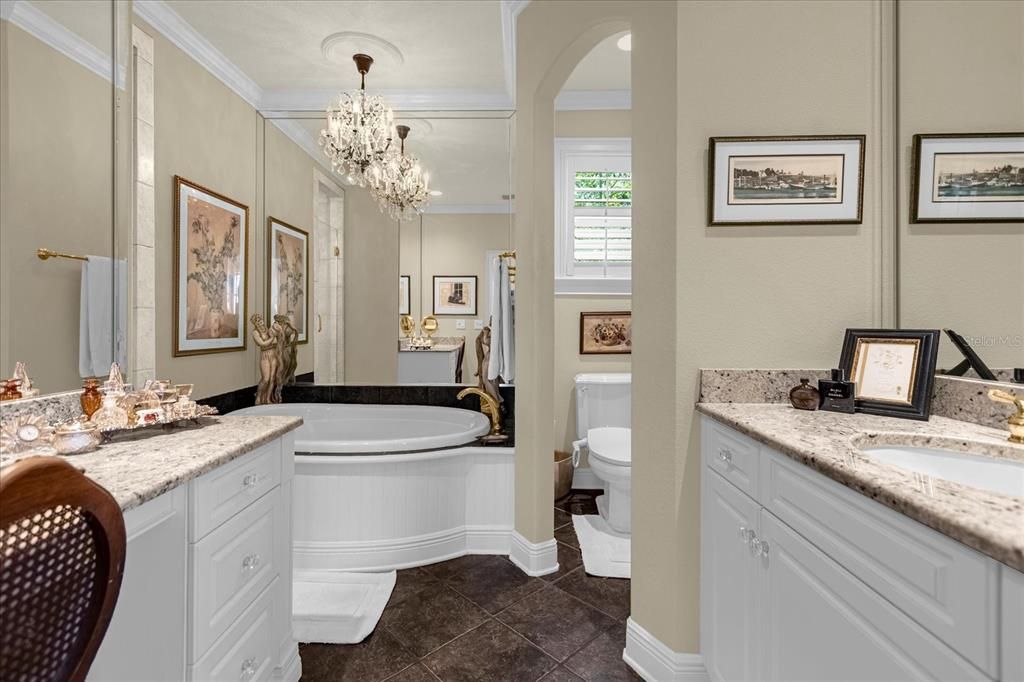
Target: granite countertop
829,442
144,465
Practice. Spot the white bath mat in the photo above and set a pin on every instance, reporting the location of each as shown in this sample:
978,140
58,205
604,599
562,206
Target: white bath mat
334,607
606,553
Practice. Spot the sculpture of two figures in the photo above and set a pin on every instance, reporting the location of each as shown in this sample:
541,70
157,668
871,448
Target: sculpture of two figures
278,344
483,359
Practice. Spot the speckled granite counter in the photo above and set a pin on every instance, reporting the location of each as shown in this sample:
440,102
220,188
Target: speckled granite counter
829,443
138,468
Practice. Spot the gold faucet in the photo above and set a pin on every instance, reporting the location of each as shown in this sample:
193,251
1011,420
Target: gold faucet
1016,421
488,405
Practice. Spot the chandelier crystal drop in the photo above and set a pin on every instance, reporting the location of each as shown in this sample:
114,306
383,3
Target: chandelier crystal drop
399,182
358,132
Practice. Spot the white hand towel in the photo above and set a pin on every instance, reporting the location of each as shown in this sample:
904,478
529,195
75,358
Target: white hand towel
101,278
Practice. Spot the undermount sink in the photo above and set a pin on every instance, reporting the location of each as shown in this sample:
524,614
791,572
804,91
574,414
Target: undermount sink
999,476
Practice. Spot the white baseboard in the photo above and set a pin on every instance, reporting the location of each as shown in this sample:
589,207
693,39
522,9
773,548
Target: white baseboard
656,662
534,559
291,667
585,478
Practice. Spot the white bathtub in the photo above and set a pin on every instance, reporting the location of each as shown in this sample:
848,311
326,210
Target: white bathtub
377,429
407,486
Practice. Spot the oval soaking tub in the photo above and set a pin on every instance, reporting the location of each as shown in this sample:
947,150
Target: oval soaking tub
341,429
379,487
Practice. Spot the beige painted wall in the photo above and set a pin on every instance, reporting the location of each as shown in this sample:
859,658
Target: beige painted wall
961,66
55,192
452,244
371,286
568,361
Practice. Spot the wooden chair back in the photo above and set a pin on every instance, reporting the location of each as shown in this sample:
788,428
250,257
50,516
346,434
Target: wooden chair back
62,549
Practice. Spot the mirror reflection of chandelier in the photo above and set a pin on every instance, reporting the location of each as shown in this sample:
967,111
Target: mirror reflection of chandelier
358,132
400,183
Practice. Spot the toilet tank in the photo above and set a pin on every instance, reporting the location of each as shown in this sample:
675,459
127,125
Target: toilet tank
602,400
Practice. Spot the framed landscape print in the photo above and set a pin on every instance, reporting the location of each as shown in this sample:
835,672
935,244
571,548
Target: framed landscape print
604,333
211,237
288,275
786,180
968,178
893,370
455,295
403,294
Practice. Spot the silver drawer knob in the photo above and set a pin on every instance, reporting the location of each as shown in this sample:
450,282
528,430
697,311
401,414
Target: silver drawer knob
725,455
747,536
760,547
250,481
250,562
248,668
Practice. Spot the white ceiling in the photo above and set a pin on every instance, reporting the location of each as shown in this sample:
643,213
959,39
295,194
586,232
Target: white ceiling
446,44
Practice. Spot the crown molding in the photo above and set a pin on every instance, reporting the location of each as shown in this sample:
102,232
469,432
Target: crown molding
399,100
503,207
589,100
51,32
173,27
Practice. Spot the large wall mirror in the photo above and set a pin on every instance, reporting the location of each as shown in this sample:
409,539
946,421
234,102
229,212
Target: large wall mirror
63,155
967,277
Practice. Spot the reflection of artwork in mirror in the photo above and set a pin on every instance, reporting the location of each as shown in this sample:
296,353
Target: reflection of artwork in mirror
968,178
211,237
893,370
288,272
403,294
785,180
605,333
455,295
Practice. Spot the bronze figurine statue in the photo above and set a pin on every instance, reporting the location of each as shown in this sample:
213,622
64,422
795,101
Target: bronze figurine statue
267,340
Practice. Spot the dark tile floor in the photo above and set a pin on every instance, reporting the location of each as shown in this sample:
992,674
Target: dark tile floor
481,618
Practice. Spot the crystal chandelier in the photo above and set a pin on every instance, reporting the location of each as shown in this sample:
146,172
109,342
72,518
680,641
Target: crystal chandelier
399,182
358,132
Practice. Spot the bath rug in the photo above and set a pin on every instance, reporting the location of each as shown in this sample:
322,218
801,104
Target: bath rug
606,552
335,607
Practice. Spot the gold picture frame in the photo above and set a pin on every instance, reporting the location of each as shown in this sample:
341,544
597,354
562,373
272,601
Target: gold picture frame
288,246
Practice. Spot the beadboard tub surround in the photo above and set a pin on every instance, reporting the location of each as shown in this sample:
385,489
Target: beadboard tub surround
829,443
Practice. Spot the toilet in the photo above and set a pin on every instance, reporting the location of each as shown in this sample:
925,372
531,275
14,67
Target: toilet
603,428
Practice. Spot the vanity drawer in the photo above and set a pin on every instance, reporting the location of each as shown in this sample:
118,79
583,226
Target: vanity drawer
950,589
732,455
231,566
245,651
224,492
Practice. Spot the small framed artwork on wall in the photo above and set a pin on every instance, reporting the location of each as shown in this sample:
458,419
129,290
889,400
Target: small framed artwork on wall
404,299
606,333
893,370
288,275
211,236
455,295
785,180
968,178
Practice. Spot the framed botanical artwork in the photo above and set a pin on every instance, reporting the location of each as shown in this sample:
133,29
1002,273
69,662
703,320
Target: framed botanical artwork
606,333
455,295
404,299
211,259
288,275
786,180
893,370
968,178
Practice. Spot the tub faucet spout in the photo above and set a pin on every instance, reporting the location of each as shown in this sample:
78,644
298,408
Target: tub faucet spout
488,406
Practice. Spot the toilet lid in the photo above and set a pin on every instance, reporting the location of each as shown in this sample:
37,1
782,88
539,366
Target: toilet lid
610,443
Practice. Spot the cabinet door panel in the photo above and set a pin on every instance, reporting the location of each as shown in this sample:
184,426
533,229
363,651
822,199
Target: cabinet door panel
728,598
821,623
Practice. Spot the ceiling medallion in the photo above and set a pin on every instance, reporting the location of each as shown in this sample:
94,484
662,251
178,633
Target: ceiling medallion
399,183
358,132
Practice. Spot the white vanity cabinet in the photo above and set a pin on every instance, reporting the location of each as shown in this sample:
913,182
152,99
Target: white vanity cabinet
206,593
805,579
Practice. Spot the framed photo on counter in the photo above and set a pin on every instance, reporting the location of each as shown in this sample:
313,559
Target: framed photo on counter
785,180
211,284
893,370
968,178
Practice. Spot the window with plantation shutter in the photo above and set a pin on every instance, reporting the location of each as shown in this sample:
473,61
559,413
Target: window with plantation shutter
594,228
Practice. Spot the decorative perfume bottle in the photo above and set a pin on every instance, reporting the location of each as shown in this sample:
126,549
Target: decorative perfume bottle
91,399
837,394
111,415
804,396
